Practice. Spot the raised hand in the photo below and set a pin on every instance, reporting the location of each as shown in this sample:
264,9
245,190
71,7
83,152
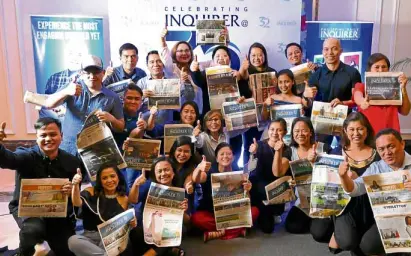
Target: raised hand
245,64
197,129
344,168
164,32
73,89
365,103
154,109
279,144
269,101
195,66
247,185
184,75
141,123
141,179
312,153
402,79
311,65
204,166
109,69
253,147
78,177
189,187
2,131
309,92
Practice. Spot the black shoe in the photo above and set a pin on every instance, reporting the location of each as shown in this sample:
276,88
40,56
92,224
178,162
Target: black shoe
335,250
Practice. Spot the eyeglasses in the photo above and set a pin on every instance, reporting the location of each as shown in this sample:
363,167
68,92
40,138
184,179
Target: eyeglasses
183,51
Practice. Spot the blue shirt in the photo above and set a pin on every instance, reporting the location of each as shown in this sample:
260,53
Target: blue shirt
130,124
119,75
58,80
78,108
335,84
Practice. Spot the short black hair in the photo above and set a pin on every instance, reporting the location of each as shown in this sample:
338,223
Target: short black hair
127,46
195,106
133,87
388,131
220,146
375,58
181,141
221,47
292,44
281,121
151,53
152,174
44,121
290,74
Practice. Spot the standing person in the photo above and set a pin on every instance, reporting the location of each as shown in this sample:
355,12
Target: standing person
44,160
381,117
390,147
82,99
303,146
273,162
128,69
204,218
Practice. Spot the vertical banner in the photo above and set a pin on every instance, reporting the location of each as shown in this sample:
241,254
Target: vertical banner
273,23
59,43
355,37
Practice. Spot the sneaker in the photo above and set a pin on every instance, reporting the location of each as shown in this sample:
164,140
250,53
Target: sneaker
277,219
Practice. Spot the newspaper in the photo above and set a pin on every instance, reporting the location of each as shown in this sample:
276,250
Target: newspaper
166,93
327,195
172,131
222,86
302,170
328,120
162,216
301,73
141,153
391,205
279,191
119,88
262,124
42,198
240,115
288,112
262,85
232,206
114,232
211,32
40,101
383,88
96,146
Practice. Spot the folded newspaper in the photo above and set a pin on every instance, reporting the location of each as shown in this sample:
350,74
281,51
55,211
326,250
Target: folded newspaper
328,120
42,198
114,233
163,216
327,195
232,207
222,86
391,205
240,115
383,88
119,88
263,85
96,146
166,93
302,171
301,73
279,191
288,112
173,131
211,32
141,153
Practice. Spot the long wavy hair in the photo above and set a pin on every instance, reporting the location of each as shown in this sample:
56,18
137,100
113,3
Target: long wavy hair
354,117
181,141
121,187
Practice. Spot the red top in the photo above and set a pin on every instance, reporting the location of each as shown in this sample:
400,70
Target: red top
380,117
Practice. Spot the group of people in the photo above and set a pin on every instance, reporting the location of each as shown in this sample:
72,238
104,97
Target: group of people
370,143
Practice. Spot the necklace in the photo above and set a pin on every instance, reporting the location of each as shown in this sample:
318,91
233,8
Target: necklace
111,196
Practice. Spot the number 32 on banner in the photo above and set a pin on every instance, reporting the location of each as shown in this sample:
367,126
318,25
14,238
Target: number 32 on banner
264,21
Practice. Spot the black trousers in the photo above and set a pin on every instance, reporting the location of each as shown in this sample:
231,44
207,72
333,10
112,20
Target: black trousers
297,222
56,231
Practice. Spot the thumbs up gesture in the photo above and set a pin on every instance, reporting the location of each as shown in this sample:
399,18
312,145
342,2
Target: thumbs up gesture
184,75
245,64
195,66
365,103
312,153
253,147
197,129
164,32
279,144
204,166
141,179
344,168
189,187
109,69
154,109
309,92
2,132
141,123
77,178
73,89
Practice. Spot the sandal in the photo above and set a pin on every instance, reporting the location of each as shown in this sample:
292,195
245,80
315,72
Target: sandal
213,235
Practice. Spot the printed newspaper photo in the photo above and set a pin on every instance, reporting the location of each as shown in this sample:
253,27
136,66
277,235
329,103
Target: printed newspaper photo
96,146
163,215
328,120
302,171
119,88
262,85
232,206
288,112
239,116
172,131
327,195
301,73
211,32
383,88
279,191
42,198
166,93
141,153
222,86
115,232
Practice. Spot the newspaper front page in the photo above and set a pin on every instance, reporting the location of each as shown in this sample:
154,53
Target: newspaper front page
302,171
172,131
162,216
383,88
114,232
301,73
96,146
240,115
222,86
232,206
328,120
288,112
279,191
119,88
262,85
42,198
327,195
166,93
211,32
391,205
141,153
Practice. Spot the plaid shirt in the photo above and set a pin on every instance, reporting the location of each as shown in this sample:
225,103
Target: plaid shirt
59,80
